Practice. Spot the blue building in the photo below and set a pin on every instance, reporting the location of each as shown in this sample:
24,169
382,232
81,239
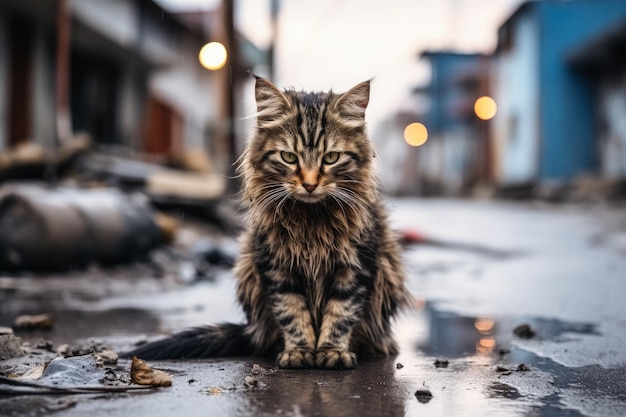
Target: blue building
455,158
545,128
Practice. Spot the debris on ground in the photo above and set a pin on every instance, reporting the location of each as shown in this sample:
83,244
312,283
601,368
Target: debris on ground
78,226
423,395
60,376
522,367
441,363
252,379
503,351
524,331
106,357
503,371
33,322
142,374
399,365
10,345
214,390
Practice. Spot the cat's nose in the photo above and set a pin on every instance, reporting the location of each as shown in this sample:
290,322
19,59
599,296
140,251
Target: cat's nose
309,187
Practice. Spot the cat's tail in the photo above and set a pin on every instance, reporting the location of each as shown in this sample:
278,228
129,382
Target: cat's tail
219,340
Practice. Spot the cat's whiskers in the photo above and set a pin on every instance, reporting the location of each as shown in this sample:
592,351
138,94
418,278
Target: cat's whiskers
272,196
351,198
339,203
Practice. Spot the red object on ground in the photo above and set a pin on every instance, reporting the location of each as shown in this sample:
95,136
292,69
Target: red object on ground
411,236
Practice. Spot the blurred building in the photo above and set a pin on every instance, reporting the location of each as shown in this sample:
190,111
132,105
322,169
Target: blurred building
134,76
556,122
602,60
456,156
401,174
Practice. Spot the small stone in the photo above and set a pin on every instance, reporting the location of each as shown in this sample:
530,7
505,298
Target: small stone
423,395
523,368
250,381
399,366
524,331
441,363
106,357
10,345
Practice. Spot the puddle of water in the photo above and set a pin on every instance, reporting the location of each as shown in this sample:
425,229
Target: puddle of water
475,346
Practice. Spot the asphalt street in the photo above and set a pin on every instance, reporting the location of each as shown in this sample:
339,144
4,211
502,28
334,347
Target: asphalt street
485,268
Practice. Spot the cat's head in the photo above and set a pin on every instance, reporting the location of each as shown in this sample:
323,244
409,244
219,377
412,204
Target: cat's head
310,147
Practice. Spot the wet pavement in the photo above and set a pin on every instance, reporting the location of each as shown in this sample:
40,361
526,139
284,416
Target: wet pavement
559,269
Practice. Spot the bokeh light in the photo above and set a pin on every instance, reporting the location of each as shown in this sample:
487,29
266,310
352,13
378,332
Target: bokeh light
213,56
415,134
484,325
485,108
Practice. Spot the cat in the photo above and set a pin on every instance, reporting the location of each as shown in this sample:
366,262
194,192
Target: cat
319,275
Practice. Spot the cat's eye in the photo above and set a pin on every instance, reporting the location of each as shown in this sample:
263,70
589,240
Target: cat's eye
331,157
289,157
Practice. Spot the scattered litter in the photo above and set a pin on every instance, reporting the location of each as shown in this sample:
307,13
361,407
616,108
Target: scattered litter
503,371
39,322
106,357
142,374
214,390
441,363
65,376
45,345
423,395
249,382
508,371
34,373
399,365
257,369
10,345
524,331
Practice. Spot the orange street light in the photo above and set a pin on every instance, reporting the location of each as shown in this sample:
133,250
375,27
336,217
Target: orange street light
485,108
415,134
213,56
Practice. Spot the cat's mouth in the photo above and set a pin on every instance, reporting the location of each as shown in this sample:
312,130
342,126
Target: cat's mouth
309,197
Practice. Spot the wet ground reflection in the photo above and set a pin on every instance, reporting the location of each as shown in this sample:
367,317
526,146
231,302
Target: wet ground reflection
470,385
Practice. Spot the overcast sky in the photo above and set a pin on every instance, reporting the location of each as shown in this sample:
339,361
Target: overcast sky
336,44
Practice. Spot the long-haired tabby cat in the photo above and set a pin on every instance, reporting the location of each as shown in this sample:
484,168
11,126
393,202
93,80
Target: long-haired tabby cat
319,275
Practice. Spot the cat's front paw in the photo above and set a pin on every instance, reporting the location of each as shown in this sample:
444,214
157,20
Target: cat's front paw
335,359
296,359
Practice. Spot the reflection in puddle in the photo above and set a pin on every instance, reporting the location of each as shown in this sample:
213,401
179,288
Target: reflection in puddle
474,347
455,336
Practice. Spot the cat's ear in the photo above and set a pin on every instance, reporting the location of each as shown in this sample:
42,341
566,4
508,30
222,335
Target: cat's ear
351,105
271,103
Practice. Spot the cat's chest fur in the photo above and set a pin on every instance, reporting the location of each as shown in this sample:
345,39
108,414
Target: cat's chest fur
311,247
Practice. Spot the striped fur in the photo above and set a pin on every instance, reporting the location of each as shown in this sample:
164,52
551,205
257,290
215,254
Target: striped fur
319,276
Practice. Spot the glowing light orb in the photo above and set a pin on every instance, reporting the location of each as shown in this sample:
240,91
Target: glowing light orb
485,108
415,134
213,56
